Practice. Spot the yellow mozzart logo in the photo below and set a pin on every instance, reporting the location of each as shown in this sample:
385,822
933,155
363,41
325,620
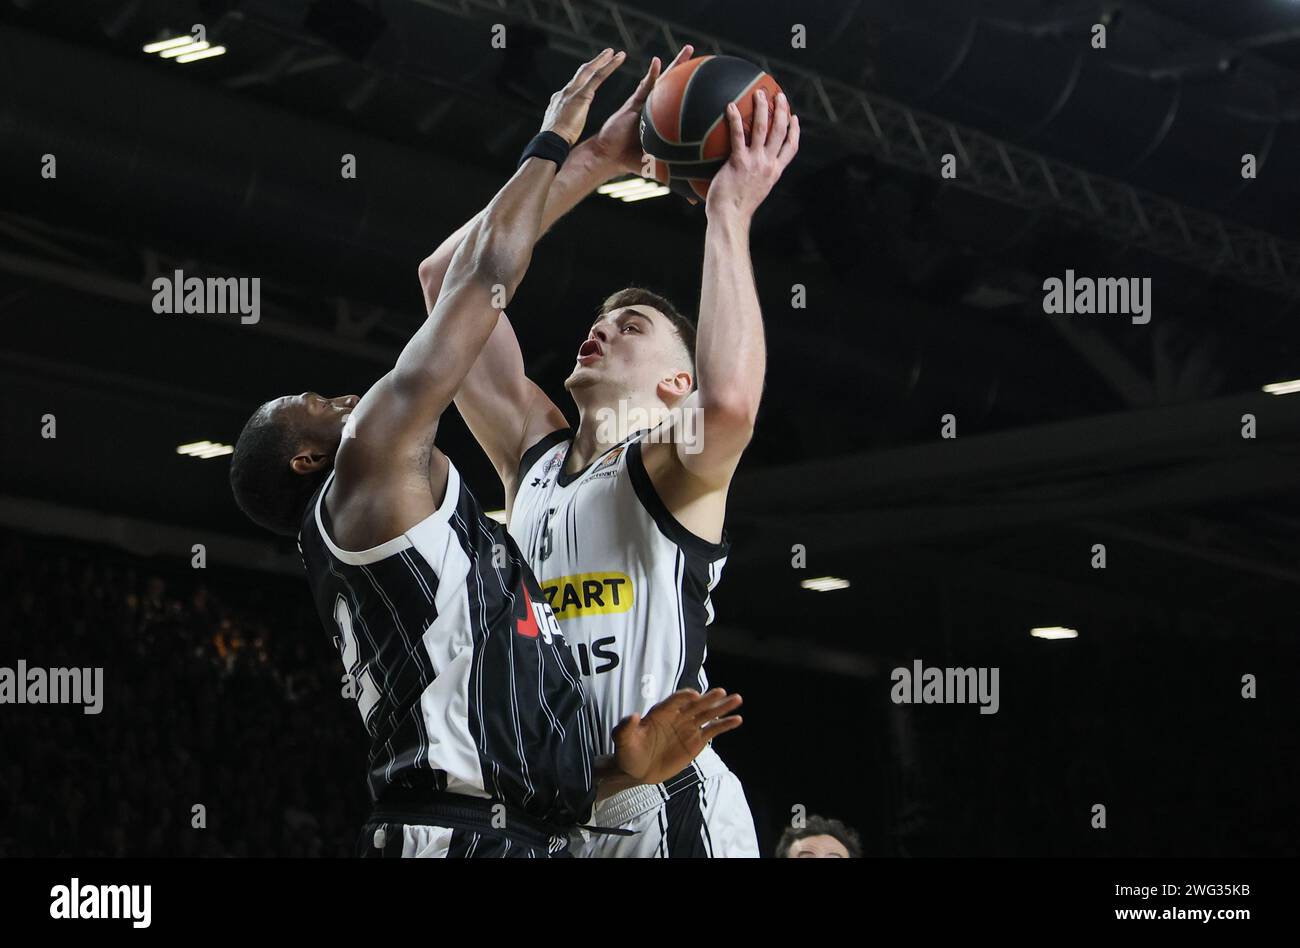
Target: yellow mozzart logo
588,594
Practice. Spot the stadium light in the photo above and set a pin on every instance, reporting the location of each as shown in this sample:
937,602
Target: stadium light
1283,388
172,43
823,584
202,54
205,450
183,49
1054,632
177,51
632,189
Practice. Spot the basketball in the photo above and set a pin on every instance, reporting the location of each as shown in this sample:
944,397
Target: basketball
684,120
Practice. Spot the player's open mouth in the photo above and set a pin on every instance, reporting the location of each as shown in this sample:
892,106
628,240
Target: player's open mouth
589,352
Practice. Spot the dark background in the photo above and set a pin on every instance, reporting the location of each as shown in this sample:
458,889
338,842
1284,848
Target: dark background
923,299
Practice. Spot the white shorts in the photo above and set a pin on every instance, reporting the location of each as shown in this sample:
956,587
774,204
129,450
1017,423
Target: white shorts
701,813
413,841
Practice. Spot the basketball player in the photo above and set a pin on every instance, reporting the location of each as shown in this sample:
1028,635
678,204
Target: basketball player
472,700
622,517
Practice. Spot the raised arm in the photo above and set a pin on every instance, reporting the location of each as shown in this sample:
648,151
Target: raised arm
731,357
499,403
614,150
403,408
586,168
505,410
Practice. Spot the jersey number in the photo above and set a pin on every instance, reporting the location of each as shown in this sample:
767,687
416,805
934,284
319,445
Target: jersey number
545,552
367,693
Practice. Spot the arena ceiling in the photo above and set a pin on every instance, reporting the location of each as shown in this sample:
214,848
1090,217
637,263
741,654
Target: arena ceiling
923,296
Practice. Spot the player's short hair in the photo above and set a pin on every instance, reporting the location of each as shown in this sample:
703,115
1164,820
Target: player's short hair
265,487
821,826
637,295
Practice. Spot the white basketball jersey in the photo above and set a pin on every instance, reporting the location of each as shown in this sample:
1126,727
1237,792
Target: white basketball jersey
628,583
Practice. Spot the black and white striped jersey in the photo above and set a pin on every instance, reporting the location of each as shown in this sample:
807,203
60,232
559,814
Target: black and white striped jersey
456,662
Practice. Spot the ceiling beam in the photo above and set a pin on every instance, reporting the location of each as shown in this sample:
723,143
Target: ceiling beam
913,140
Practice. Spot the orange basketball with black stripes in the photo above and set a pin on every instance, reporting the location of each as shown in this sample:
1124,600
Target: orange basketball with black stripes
684,120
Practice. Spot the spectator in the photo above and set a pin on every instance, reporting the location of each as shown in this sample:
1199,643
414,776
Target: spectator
820,838
220,694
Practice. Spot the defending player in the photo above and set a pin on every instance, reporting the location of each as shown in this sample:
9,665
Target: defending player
474,706
622,517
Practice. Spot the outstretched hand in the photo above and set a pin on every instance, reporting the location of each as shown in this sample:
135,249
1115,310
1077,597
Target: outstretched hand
652,748
567,113
619,139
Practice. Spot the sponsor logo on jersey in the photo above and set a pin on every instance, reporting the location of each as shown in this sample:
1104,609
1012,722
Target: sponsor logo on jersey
537,620
612,458
588,594
527,626
599,658
608,467
553,462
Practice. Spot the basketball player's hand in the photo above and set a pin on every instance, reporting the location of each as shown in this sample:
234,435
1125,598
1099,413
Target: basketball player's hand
618,143
754,166
653,748
567,113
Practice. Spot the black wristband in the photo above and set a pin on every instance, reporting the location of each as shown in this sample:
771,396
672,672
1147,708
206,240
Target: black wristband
547,145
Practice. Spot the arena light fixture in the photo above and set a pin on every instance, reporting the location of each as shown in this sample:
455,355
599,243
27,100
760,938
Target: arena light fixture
163,45
205,450
177,51
1283,388
632,189
823,584
1054,632
183,49
202,54
614,188
658,190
